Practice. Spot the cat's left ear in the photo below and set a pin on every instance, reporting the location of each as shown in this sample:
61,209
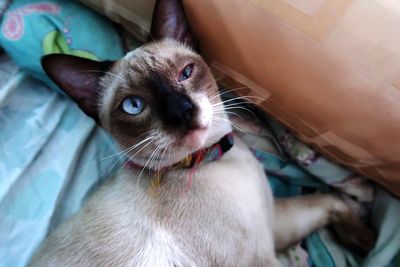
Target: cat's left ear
169,21
79,78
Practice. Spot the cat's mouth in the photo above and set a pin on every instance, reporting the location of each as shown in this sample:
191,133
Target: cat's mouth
195,138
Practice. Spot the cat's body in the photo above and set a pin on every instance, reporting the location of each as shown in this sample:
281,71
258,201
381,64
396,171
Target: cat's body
223,219
161,104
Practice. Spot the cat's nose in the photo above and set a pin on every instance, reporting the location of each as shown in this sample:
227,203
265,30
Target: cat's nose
179,110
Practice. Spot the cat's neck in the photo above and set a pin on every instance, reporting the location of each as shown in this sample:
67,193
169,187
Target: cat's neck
207,154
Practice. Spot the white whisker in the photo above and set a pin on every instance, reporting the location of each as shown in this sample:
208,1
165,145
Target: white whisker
148,139
225,91
235,125
148,161
115,154
240,108
247,98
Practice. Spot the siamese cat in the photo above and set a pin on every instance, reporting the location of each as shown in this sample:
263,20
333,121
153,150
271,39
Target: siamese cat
192,194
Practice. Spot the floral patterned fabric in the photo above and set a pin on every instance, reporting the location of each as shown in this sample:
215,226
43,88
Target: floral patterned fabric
294,168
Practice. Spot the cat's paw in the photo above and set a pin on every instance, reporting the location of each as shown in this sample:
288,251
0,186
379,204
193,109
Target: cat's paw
349,228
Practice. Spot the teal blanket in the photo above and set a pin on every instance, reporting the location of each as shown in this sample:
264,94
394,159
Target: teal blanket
293,169
51,154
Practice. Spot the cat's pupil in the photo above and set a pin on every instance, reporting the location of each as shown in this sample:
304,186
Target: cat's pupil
186,72
133,105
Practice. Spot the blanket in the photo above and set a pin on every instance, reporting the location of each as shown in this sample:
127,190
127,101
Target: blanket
51,154
294,168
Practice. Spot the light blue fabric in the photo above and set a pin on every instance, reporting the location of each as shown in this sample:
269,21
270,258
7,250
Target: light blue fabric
50,158
318,252
385,217
306,157
304,168
51,154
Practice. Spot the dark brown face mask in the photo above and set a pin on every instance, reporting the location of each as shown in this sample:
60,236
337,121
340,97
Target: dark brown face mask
80,78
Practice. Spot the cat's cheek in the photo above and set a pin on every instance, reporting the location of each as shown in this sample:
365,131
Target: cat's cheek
205,112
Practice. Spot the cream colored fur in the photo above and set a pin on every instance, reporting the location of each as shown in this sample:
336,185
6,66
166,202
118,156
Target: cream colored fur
226,217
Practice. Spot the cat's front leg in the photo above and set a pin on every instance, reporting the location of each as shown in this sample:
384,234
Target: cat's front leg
297,217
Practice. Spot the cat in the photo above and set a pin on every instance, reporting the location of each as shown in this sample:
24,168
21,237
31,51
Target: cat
192,193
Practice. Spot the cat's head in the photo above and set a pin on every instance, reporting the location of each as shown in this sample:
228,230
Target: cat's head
160,101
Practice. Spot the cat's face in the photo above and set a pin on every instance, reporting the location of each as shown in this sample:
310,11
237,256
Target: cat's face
161,102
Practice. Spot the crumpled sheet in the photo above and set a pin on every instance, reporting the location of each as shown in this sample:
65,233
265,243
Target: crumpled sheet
51,157
51,154
294,168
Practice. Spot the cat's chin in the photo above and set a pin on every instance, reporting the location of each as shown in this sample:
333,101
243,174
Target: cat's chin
195,138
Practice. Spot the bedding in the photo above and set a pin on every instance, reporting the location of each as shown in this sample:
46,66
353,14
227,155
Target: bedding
51,154
294,168
33,28
52,157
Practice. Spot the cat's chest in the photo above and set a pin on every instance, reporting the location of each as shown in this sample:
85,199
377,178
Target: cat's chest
223,212
235,185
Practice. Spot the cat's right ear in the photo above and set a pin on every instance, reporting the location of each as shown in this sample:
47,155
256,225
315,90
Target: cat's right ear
79,78
169,21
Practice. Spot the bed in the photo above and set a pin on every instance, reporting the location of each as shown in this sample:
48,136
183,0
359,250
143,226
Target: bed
52,156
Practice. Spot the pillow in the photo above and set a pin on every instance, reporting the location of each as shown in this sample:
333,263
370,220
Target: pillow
327,69
33,28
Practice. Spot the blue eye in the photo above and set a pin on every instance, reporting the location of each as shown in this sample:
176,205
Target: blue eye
133,105
186,72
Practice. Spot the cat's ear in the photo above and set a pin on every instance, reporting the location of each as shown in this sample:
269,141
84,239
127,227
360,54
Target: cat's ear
79,78
169,21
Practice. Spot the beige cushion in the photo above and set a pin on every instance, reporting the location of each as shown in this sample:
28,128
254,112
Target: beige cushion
328,69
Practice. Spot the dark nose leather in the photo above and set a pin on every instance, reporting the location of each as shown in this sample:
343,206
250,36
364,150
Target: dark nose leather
178,110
